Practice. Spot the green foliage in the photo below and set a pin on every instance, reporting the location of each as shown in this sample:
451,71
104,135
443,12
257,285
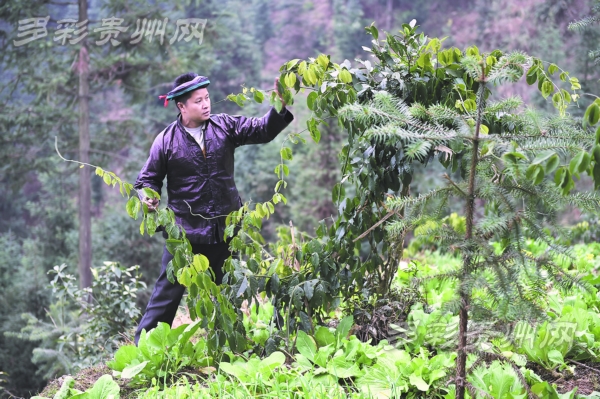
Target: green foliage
86,323
161,353
103,388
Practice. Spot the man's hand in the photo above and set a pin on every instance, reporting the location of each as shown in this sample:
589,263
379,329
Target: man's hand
279,94
152,203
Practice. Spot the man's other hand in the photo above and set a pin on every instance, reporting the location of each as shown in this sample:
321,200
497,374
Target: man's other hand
152,204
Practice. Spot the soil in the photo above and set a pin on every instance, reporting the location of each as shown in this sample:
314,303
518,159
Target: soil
586,377
84,380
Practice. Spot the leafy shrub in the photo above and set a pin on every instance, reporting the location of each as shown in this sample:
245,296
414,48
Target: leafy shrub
160,353
86,324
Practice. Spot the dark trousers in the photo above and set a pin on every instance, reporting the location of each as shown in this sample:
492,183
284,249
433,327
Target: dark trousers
166,296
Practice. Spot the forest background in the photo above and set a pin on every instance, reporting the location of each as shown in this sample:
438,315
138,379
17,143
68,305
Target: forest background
243,43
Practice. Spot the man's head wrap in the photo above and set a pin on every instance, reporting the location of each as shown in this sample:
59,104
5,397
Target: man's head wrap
197,83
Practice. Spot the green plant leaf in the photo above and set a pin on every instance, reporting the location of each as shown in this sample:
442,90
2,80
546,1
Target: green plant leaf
341,368
259,97
104,388
290,79
133,207
286,153
547,88
418,382
592,114
344,327
133,370
123,357
310,100
270,363
542,157
323,336
552,164
306,345
345,76
65,390
580,161
556,357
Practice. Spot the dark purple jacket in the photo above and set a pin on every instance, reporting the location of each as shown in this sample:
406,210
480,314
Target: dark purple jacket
205,184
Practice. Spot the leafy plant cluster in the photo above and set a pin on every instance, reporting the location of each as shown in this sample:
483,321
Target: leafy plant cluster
160,354
104,388
87,324
417,362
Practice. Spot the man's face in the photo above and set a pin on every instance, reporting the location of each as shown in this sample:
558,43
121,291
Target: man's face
197,108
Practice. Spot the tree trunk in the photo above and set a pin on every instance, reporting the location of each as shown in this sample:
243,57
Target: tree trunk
389,15
465,294
85,221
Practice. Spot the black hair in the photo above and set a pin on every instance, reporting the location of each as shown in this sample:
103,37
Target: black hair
181,79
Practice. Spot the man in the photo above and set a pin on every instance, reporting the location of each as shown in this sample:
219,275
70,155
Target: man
196,155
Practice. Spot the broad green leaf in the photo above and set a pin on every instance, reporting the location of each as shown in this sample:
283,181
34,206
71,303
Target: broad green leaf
552,69
547,88
132,371
242,288
323,60
268,364
552,164
556,357
585,162
306,345
531,75
341,368
234,370
535,173
107,178
338,193
324,337
578,162
596,153
418,382
344,327
184,276
99,171
286,153
436,375
310,100
292,63
542,157
373,31
290,79
315,134
65,389
123,357
200,263
274,283
259,97
345,76
104,388
303,363
592,114
309,288
149,193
